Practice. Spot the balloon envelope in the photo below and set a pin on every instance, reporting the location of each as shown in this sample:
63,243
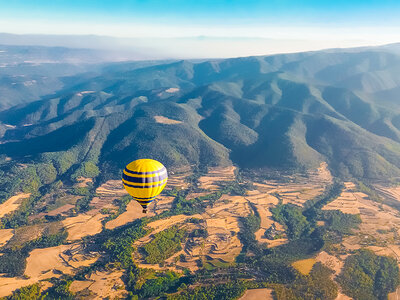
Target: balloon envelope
144,179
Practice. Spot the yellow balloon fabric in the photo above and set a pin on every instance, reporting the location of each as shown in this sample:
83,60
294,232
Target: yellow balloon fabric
144,179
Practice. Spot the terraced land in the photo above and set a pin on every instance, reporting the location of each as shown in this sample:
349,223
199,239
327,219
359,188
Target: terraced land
213,238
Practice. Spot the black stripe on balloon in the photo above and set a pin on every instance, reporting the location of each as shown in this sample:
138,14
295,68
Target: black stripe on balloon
144,179
150,198
145,173
143,187
145,202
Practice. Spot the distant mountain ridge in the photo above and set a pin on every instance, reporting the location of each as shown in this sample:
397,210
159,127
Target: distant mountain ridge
289,111
28,73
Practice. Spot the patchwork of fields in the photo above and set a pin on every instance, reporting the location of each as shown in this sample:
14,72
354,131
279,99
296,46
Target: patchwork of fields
212,236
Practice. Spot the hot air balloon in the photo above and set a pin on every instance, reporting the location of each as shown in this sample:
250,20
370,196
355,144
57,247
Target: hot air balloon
144,179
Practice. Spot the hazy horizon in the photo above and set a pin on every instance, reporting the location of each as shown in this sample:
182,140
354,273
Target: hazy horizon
200,47
203,29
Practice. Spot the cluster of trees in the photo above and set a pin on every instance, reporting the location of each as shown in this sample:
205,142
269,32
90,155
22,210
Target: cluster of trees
63,160
87,169
32,292
273,265
292,217
19,217
305,237
227,291
337,225
317,285
46,172
87,193
340,222
199,233
35,179
80,191
8,185
193,206
152,284
118,242
60,290
301,223
368,276
182,206
83,204
27,178
269,265
13,262
30,178
331,193
365,188
164,245
251,224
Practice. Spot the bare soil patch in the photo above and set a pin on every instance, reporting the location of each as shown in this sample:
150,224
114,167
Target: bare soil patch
222,244
380,223
41,263
133,212
172,90
158,226
395,295
391,192
341,296
304,266
112,188
177,178
48,263
104,285
165,120
163,224
257,294
263,202
299,188
107,193
347,202
330,261
215,175
61,210
79,285
162,203
5,236
12,204
83,225
83,181
25,234
8,284
385,251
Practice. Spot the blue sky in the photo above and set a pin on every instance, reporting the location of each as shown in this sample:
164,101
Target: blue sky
206,12
320,24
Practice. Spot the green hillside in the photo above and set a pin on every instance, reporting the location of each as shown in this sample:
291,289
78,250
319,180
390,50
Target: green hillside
282,111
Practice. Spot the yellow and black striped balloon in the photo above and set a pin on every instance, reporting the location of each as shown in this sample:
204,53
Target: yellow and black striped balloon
144,179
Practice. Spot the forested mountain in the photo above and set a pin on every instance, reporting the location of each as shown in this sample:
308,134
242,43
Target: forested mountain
282,176
288,111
